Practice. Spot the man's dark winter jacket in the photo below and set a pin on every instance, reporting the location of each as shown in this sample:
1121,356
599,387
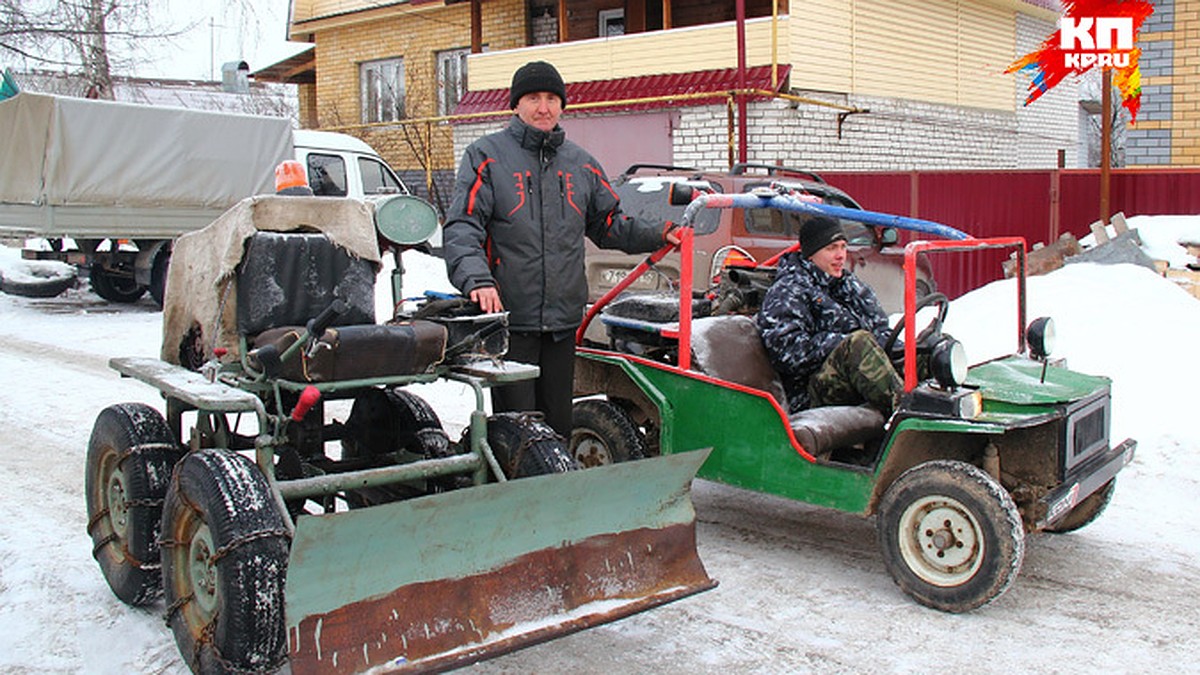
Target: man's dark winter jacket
806,313
523,201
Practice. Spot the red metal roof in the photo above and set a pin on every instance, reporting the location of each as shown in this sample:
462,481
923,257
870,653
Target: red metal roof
700,82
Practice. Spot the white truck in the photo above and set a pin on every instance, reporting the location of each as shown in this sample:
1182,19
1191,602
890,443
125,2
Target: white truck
108,186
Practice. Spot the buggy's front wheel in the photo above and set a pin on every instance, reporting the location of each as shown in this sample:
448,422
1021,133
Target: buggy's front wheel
225,550
951,536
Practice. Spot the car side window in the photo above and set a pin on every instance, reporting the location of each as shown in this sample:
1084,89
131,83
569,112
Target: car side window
647,198
327,175
378,179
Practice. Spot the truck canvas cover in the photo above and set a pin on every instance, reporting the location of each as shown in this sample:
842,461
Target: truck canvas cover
67,153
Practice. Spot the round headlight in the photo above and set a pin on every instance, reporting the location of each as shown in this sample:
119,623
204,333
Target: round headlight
948,362
1040,337
405,220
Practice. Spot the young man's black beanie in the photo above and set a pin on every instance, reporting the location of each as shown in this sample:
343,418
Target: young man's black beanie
819,232
536,76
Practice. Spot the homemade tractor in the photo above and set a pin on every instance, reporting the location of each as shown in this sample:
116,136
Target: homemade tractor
283,536
970,463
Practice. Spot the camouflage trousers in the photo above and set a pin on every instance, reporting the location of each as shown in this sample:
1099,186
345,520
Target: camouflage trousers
857,370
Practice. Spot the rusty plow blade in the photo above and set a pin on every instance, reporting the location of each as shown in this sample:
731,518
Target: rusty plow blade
442,581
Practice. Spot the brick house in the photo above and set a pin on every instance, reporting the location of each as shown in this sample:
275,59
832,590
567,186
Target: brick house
1167,132
831,84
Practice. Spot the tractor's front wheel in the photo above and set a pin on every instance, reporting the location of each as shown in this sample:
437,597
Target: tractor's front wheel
604,433
129,459
1085,511
225,551
951,536
525,445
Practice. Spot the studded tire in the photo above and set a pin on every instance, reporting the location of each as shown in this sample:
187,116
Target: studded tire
604,433
524,445
950,535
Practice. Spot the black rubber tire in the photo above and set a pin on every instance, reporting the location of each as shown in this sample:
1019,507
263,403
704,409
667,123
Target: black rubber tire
225,553
158,274
950,535
385,421
604,433
37,281
525,445
129,459
1086,511
115,288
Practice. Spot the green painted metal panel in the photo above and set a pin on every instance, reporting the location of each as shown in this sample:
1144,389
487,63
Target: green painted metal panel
751,446
340,558
1018,380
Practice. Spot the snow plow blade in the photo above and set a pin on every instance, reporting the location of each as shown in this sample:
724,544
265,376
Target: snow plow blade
439,582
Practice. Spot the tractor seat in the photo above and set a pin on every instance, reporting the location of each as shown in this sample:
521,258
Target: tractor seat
729,347
286,279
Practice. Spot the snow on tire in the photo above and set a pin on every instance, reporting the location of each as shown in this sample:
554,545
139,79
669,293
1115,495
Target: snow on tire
225,552
128,467
37,278
950,535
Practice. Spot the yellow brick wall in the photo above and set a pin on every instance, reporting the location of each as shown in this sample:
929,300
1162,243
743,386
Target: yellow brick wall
1185,128
415,36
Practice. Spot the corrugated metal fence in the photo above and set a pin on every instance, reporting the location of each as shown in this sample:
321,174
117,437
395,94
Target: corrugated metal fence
1039,205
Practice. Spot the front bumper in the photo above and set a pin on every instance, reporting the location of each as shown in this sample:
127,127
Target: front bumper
1085,480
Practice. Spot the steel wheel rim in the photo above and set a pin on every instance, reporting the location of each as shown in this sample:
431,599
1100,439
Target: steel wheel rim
115,498
941,541
202,570
590,450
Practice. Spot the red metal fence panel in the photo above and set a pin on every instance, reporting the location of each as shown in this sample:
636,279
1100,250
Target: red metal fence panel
1038,205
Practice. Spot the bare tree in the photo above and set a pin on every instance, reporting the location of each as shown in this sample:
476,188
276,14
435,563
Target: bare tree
91,36
1090,95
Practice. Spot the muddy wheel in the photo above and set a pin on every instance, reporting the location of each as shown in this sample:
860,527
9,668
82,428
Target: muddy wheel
951,536
525,445
1086,511
158,274
604,433
129,460
113,287
225,552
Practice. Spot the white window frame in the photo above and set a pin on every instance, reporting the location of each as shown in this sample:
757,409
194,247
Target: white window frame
608,17
381,86
453,84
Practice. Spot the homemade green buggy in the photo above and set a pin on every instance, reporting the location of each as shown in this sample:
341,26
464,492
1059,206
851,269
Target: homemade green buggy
968,465
281,534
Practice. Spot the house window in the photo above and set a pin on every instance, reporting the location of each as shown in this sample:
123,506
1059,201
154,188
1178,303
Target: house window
382,90
612,22
451,78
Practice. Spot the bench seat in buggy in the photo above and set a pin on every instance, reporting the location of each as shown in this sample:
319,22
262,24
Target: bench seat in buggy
730,348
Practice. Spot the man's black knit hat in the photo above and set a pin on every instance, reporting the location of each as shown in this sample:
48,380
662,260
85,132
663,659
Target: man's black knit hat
819,232
536,76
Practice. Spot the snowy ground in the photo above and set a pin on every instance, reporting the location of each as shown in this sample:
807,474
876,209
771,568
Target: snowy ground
802,589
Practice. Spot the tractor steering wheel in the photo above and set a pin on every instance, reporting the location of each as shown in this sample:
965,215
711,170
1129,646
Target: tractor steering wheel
929,335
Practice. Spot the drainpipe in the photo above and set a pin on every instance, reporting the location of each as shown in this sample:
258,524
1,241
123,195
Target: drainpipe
741,78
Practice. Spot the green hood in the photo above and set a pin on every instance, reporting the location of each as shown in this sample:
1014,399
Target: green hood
1018,380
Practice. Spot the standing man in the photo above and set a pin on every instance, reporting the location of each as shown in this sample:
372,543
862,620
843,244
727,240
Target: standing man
524,198
824,329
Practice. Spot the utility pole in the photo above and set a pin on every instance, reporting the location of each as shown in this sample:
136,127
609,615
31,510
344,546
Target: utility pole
1105,143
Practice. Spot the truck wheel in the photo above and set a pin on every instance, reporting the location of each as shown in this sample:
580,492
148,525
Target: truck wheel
115,288
525,445
1086,511
604,433
225,551
37,279
129,460
951,536
158,274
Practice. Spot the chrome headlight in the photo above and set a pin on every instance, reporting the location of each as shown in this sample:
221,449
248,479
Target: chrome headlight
1040,336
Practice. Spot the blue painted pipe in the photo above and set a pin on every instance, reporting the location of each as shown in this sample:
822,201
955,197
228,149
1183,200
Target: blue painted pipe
789,203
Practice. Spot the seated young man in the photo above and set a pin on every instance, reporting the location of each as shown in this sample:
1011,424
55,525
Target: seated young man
824,329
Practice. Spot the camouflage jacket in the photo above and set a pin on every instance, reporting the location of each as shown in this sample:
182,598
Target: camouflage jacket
806,313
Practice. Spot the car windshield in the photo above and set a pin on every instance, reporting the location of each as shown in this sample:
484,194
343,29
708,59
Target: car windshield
648,198
787,224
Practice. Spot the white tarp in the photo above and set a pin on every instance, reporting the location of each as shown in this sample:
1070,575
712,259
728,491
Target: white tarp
61,151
